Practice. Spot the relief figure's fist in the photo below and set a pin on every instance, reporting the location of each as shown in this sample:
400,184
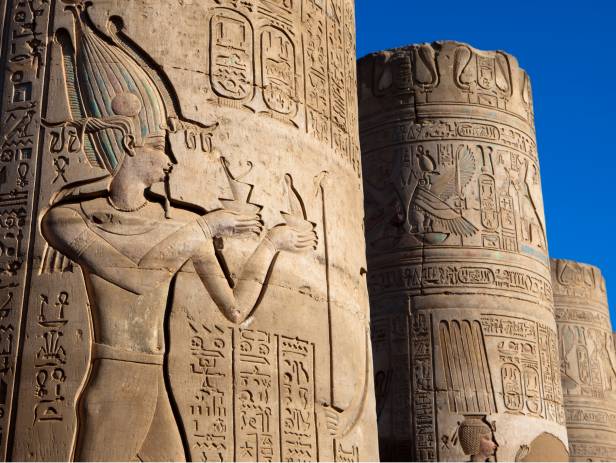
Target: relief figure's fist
225,223
287,238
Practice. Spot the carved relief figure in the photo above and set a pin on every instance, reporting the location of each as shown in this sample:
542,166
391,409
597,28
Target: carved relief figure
588,363
477,439
432,194
608,360
521,182
130,246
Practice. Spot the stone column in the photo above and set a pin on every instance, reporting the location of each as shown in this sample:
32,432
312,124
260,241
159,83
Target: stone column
182,266
588,360
464,335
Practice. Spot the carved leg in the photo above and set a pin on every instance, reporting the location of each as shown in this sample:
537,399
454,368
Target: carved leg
117,408
163,442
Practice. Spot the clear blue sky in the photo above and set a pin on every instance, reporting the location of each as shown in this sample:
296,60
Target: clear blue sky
568,48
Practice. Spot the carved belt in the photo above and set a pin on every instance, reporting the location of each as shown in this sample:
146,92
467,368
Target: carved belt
103,351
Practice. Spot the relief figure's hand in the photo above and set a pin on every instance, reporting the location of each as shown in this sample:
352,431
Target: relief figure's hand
287,238
224,223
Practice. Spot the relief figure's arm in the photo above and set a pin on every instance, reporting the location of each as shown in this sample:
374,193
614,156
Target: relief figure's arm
65,230
237,303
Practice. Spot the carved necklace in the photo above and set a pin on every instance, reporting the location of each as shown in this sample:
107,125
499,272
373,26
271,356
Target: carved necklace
118,208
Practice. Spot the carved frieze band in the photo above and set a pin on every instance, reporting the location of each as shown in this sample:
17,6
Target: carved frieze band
448,73
481,277
591,450
382,136
579,284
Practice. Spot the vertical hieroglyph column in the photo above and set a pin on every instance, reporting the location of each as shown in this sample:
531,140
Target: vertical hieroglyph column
464,335
182,265
588,360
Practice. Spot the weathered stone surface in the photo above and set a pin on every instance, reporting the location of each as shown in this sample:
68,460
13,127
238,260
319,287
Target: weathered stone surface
182,259
459,276
588,360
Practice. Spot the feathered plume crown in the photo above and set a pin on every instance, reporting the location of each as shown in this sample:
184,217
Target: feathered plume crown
112,98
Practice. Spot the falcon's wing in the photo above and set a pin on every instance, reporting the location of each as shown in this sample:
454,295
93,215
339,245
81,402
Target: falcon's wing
466,167
442,214
444,185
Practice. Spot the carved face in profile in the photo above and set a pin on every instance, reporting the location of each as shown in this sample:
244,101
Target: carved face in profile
477,439
487,446
150,163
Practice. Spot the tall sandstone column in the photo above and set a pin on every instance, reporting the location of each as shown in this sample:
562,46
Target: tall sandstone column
464,336
182,267
588,360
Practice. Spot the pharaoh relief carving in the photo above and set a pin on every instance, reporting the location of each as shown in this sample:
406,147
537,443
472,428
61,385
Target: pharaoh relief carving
587,359
456,240
186,299
128,279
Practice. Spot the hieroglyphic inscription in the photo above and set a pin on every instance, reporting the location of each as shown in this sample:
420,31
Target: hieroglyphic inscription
259,60
346,454
391,351
581,315
550,371
23,59
484,276
592,450
528,366
296,363
505,136
592,418
255,395
279,73
51,356
232,55
210,423
316,69
424,410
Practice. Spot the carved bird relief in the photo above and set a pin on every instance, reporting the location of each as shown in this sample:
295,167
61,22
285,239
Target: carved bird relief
429,212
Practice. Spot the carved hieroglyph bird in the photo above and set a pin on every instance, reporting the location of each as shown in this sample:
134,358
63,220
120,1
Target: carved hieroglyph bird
431,194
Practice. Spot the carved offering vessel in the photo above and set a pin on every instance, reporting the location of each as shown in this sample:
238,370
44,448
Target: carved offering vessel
463,328
182,259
